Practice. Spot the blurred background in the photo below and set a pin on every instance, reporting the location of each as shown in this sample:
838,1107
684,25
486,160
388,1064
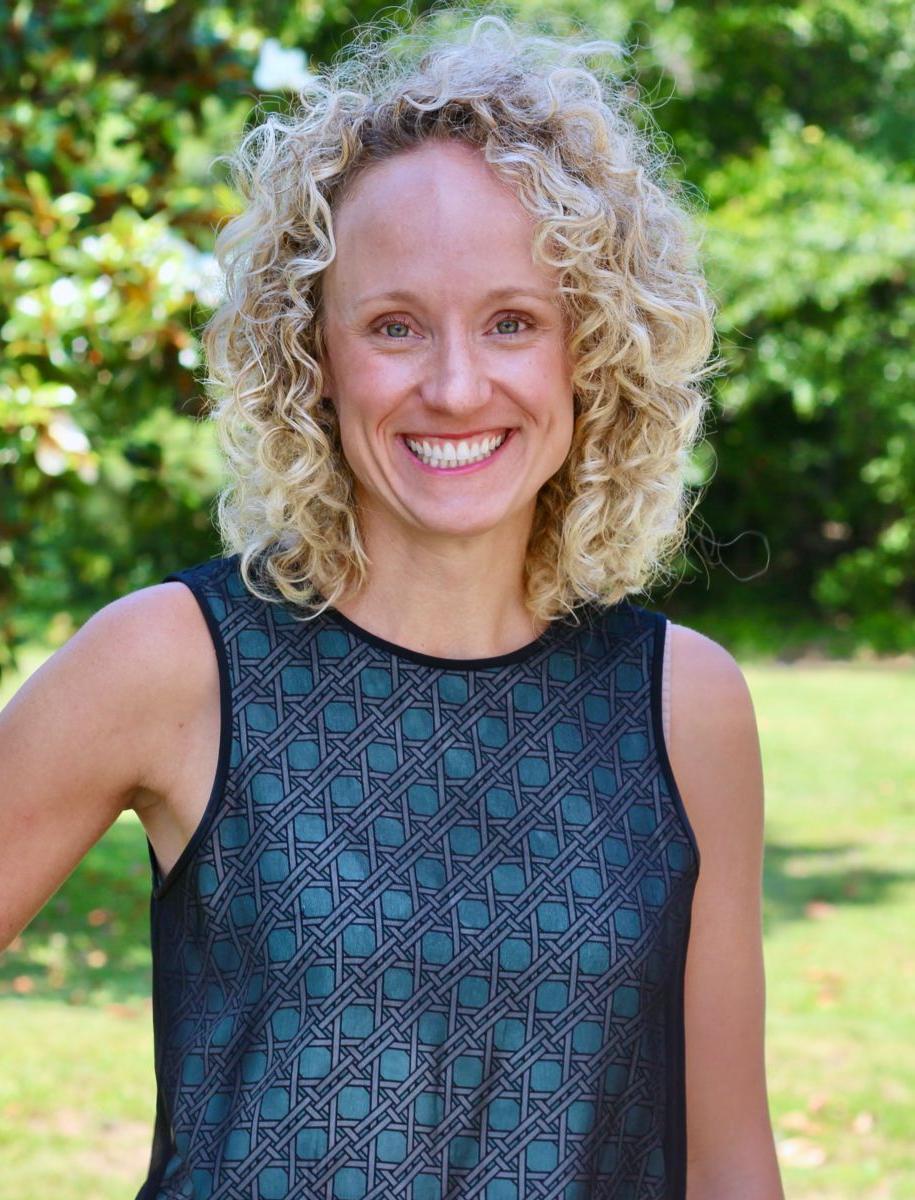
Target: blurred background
792,125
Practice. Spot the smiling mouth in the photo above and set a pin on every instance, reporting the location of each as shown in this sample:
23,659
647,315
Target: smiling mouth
447,452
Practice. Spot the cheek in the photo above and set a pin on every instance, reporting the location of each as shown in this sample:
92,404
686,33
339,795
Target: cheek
372,381
547,379
364,392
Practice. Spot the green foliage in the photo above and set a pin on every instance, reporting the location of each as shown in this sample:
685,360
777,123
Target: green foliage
808,241
790,124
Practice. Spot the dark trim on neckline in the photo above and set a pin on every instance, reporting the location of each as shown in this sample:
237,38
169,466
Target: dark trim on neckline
447,664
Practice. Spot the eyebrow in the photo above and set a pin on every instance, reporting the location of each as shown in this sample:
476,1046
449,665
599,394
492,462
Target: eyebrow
494,294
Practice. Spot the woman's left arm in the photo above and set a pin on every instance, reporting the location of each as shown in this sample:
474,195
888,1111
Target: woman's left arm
715,756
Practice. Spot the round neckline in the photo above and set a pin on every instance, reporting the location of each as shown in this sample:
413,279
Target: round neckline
435,660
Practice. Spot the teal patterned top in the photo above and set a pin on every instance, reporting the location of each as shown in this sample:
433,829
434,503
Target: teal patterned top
428,939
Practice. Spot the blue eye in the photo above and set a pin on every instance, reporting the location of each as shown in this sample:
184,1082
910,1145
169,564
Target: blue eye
404,326
511,321
388,324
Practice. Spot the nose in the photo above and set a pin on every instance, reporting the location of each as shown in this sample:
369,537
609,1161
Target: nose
456,379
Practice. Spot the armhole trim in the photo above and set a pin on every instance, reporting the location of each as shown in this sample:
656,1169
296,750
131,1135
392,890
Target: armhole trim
217,791
667,670
661,625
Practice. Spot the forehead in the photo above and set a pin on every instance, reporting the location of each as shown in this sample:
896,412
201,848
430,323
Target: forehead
438,208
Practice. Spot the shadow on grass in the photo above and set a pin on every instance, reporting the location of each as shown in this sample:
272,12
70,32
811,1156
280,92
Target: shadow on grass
798,879
90,942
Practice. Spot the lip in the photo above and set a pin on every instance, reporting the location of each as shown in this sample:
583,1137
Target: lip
441,471
493,431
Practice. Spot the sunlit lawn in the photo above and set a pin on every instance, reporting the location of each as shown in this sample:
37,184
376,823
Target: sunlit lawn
76,1076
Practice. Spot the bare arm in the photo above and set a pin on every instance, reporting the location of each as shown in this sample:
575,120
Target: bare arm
85,736
715,758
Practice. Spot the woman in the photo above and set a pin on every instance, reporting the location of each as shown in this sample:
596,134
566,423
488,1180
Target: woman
425,793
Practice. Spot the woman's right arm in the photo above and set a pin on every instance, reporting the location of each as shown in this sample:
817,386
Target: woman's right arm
86,734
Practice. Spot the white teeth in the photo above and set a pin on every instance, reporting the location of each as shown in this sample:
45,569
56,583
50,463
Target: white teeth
447,455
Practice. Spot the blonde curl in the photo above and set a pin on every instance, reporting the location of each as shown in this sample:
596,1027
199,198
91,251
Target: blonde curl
608,216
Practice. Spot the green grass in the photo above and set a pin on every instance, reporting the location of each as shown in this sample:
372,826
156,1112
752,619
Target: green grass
77,1094
840,956
77,1090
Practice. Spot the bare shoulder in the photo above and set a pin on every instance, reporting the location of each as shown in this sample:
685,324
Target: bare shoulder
143,665
155,640
705,670
714,747
164,634
113,715
165,613
171,675
716,760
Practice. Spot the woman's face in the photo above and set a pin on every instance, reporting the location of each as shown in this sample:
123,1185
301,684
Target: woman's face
440,328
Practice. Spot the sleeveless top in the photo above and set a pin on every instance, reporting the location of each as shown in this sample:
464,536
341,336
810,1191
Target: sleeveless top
428,939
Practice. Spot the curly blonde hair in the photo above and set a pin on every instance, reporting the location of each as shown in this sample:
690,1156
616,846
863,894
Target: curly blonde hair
638,315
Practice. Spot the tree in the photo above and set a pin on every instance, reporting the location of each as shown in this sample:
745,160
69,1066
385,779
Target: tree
790,123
